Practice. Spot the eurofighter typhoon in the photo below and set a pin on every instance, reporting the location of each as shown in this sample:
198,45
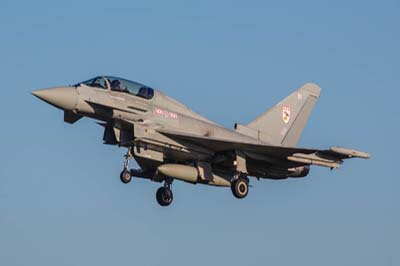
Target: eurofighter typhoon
171,142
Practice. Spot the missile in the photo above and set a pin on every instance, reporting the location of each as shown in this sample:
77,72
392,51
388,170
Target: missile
306,160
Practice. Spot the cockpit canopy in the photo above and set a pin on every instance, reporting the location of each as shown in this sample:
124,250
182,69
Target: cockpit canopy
121,85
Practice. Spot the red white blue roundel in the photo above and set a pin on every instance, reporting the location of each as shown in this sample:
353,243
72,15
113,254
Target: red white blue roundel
285,114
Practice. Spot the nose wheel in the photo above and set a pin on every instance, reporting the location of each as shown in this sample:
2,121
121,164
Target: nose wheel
126,175
164,194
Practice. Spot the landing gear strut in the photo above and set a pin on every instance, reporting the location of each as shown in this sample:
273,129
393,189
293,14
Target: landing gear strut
164,194
126,175
240,187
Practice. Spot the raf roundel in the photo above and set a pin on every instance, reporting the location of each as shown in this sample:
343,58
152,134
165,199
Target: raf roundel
286,114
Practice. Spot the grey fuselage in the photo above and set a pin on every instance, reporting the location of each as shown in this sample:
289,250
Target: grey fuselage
161,111
171,142
133,121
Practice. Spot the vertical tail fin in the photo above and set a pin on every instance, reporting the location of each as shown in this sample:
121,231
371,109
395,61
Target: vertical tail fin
284,123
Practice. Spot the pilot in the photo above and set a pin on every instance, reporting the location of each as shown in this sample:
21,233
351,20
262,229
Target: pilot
115,85
143,92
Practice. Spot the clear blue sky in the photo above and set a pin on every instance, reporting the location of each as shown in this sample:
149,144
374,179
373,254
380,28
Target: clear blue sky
61,201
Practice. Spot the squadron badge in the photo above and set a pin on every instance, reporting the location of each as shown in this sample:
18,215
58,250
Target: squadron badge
286,114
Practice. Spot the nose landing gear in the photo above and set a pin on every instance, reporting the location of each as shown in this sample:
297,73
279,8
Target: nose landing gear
126,175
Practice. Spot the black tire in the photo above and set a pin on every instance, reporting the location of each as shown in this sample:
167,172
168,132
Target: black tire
164,196
125,176
240,187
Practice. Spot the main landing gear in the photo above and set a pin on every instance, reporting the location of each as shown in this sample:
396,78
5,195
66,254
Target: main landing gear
164,194
240,187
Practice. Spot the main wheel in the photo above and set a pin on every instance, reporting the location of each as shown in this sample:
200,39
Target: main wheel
125,176
164,196
240,187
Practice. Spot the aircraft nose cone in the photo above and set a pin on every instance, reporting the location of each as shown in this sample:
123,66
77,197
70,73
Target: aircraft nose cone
63,97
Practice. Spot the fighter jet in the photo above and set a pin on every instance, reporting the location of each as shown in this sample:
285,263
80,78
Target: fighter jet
171,142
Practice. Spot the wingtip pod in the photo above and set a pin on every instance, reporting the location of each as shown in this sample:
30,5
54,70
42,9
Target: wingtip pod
350,152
